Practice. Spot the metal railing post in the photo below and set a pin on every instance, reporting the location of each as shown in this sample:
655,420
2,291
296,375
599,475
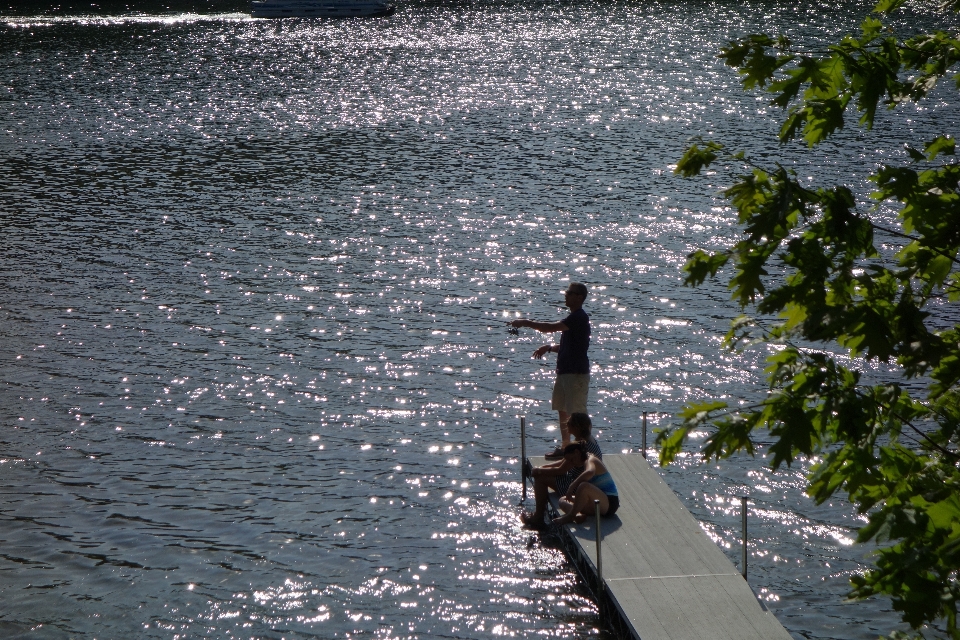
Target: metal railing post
743,520
596,509
523,457
644,445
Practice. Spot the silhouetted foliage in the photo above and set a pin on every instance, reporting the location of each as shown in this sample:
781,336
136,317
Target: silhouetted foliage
892,448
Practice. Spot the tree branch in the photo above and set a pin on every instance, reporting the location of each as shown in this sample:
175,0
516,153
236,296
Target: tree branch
913,239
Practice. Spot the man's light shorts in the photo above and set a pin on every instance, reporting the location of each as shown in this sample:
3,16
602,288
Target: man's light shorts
570,392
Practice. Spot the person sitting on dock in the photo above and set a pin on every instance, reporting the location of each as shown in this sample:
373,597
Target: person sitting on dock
559,475
594,484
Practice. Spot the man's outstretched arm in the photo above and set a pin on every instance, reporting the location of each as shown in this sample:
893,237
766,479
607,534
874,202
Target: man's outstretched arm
542,327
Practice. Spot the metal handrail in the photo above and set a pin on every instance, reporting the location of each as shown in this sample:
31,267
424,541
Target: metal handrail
643,448
523,457
743,521
596,509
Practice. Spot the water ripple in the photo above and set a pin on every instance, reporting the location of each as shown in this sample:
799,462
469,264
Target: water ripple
257,378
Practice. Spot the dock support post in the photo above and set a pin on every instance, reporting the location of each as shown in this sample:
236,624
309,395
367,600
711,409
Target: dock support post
743,521
644,441
596,509
523,457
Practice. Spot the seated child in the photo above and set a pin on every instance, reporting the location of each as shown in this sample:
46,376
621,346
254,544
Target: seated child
594,483
560,474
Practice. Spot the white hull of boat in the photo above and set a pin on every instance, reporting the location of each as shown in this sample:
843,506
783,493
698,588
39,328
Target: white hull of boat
319,9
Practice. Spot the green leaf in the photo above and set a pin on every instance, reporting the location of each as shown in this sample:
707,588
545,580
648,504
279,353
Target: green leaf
945,145
696,159
750,57
946,513
700,265
915,155
700,412
846,292
823,118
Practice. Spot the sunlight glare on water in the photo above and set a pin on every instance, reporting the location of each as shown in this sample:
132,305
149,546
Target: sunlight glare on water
257,374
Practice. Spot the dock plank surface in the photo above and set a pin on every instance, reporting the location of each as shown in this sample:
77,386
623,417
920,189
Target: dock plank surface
667,579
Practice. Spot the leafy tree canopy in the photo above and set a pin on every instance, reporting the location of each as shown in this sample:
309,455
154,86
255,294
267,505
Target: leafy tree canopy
818,261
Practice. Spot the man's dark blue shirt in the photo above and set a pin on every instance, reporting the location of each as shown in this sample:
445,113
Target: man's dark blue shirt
574,342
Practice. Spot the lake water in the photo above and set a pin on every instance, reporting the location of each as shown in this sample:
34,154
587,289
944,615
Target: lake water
256,377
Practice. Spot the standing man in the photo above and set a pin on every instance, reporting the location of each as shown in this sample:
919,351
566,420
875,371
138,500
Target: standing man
573,367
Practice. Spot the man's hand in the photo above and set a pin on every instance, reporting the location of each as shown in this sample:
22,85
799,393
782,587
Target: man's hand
518,324
539,353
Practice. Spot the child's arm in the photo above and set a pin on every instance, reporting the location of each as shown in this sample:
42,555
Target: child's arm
557,468
589,471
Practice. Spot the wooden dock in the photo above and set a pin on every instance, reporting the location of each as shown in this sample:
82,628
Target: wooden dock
661,573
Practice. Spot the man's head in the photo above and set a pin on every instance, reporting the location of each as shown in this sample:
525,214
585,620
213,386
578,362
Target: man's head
575,295
579,425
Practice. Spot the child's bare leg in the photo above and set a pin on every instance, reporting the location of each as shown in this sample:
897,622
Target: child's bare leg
583,503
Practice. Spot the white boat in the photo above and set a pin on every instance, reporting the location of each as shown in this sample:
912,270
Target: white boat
320,8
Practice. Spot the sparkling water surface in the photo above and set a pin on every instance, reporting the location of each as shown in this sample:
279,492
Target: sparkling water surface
255,374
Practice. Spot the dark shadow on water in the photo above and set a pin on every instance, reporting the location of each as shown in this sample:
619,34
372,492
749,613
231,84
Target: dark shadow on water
552,538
